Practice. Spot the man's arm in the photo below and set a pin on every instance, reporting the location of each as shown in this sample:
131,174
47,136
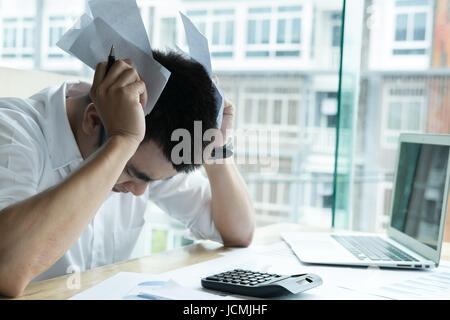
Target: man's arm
231,206
36,232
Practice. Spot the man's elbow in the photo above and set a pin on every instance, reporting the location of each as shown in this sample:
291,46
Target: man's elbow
243,240
13,277
11,286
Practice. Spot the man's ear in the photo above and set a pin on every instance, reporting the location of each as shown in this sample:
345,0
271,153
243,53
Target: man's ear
91,121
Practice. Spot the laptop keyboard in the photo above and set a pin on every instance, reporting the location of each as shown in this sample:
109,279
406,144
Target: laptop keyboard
373,248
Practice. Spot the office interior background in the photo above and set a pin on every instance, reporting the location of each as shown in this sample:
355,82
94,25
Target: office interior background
339,86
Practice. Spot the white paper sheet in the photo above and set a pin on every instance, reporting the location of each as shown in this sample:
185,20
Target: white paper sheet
407,285
199,51
274,260
140,286
337,281
155,75
124,17
197,43
117,23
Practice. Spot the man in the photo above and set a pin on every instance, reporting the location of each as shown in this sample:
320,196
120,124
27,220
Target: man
58,213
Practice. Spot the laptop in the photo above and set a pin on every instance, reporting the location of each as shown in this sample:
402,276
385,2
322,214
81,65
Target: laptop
417,215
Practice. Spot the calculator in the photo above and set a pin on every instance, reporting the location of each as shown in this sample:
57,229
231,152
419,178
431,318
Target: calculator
260,284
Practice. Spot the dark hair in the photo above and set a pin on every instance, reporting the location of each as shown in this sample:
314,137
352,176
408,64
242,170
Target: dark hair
187,97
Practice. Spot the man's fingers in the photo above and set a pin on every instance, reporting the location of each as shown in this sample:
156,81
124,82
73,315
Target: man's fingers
125,78
138,88
115,72
215,79
98,77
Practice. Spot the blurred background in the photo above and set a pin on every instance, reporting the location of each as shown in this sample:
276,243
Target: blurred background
338,80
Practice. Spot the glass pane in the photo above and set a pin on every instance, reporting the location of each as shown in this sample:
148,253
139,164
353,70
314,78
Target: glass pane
229,33
413,116
168,31
262,112
281,31
420,20
347,98
248,111
397,88
216,33
336,36
201,27
251,32
296,31
277,112
400,27
395,116
265,32
255,52
292,112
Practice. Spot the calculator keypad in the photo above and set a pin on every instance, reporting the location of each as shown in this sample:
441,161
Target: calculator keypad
244,277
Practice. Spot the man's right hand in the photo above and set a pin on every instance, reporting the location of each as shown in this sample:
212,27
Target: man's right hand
120,99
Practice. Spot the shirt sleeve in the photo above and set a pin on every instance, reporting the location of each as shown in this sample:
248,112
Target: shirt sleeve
187,198
20,158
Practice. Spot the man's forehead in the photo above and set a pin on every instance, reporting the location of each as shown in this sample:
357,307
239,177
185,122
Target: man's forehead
149,162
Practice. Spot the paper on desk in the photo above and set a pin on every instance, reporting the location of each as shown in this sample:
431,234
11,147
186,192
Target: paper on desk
187,281
117,23
273,262
406,284
140,286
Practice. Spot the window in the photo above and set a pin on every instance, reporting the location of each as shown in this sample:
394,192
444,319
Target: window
401,27
262,53
9,37
404,116
218,27
405,90
258,31
168,31
18,37
274,32
414,33
411,27
405,107
57,24
420,20
336,38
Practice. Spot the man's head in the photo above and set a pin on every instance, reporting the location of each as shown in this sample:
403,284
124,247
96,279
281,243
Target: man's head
188,97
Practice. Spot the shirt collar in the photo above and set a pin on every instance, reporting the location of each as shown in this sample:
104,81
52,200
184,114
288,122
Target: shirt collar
63,148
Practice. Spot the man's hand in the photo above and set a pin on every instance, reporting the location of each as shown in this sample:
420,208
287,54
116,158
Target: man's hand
120,98
227,119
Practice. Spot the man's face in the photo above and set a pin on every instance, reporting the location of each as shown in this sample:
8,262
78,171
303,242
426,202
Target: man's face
147,164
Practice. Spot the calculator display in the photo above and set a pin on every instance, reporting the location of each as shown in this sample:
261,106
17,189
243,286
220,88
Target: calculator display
302,282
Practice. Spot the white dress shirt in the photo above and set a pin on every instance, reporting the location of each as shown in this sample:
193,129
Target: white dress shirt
38,150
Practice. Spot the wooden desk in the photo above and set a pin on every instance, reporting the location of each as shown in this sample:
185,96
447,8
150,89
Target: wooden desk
56,288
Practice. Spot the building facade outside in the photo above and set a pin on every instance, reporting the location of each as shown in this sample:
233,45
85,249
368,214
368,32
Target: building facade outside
278,62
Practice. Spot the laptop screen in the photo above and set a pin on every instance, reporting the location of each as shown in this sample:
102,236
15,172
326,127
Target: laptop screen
419,191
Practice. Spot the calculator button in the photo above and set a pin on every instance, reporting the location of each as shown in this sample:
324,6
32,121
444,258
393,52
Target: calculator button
213,278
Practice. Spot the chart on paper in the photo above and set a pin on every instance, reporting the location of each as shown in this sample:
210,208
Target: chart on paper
433,286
